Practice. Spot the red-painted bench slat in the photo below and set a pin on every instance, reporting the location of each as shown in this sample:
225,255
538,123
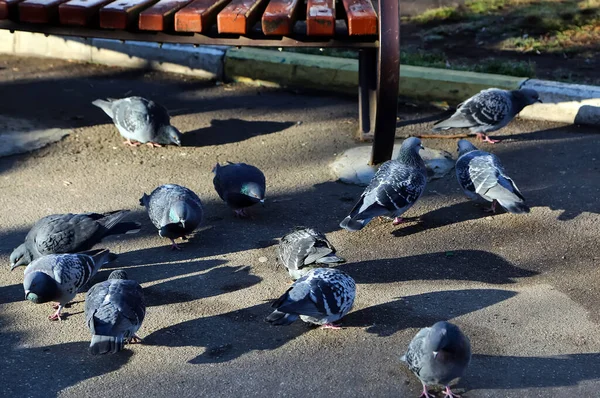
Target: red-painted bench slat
362,18
160,16
280,16
80,12
240,15
121,14
9,9
39,11
320,17
199,15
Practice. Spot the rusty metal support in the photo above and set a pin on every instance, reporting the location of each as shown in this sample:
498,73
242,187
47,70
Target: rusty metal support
388,76
367,90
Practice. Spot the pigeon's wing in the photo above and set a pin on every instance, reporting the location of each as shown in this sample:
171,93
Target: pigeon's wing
394,188
73,271
303,247
415,354
132,115
94,299
311,296
487,109
232,176
489,179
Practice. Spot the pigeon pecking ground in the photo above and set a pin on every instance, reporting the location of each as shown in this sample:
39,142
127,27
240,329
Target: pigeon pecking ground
523,287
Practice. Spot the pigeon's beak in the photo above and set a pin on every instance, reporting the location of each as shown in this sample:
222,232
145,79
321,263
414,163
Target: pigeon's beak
13,266
262,202
540,101
182,223
27,292
435,354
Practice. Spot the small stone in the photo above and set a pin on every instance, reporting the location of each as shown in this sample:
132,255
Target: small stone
262,259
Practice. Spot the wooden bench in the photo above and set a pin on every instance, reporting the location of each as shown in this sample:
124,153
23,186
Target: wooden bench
372,28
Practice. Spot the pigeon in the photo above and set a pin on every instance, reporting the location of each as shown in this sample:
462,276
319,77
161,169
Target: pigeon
303,247
114,311
438,355
321,297
58,277
394,188
141,120
489,110
481,175
70,233
240,185
175,210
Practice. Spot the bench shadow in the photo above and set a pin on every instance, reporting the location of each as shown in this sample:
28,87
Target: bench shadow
463,265
231,130
227,336
423,310
511,372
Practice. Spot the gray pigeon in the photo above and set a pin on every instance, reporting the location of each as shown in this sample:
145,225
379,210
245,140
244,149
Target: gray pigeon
394,188
240,185
481,175
58,277
175,210
141,120
321,297
489,110
70,233
304,247
114,311
438,355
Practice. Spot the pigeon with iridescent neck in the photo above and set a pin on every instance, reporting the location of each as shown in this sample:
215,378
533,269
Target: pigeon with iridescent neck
394,188
489,110
58,277
438,355
240,185
175,210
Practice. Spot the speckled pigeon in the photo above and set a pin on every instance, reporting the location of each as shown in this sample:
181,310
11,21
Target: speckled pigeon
489,110
321,297
240,185
70,233
481,175
303,247
58,277
438,355
141,120
175,210
114,311
394,188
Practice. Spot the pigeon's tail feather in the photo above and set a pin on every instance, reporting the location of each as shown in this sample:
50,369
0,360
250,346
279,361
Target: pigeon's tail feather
125,228
456,121
111,219
106,344
330,259
350,224
281,318
144,199
403,358
515,207
106,106
102,257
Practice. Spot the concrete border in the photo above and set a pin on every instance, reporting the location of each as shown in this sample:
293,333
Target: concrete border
567,103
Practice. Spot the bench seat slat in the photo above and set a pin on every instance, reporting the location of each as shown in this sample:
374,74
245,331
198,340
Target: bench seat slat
320,17
121,14
39,11
160,16
9,9
280,16
199,15
240,15
362,18
80,12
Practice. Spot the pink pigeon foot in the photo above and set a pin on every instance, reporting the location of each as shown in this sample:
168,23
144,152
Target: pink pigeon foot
134,144
491,209
135,339
330,326
397,221
56,315
174,246
153,145
449,394
241,213
426,393
485,138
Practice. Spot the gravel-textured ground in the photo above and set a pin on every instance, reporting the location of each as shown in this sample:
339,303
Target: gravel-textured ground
524,288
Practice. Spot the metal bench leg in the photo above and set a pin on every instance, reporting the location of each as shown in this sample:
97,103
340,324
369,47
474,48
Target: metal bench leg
388,75
367,92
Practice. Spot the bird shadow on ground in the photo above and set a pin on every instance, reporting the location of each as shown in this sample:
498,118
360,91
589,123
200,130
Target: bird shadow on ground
423,310
229,335
231,130
511,372
65,365
465,265
454,214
